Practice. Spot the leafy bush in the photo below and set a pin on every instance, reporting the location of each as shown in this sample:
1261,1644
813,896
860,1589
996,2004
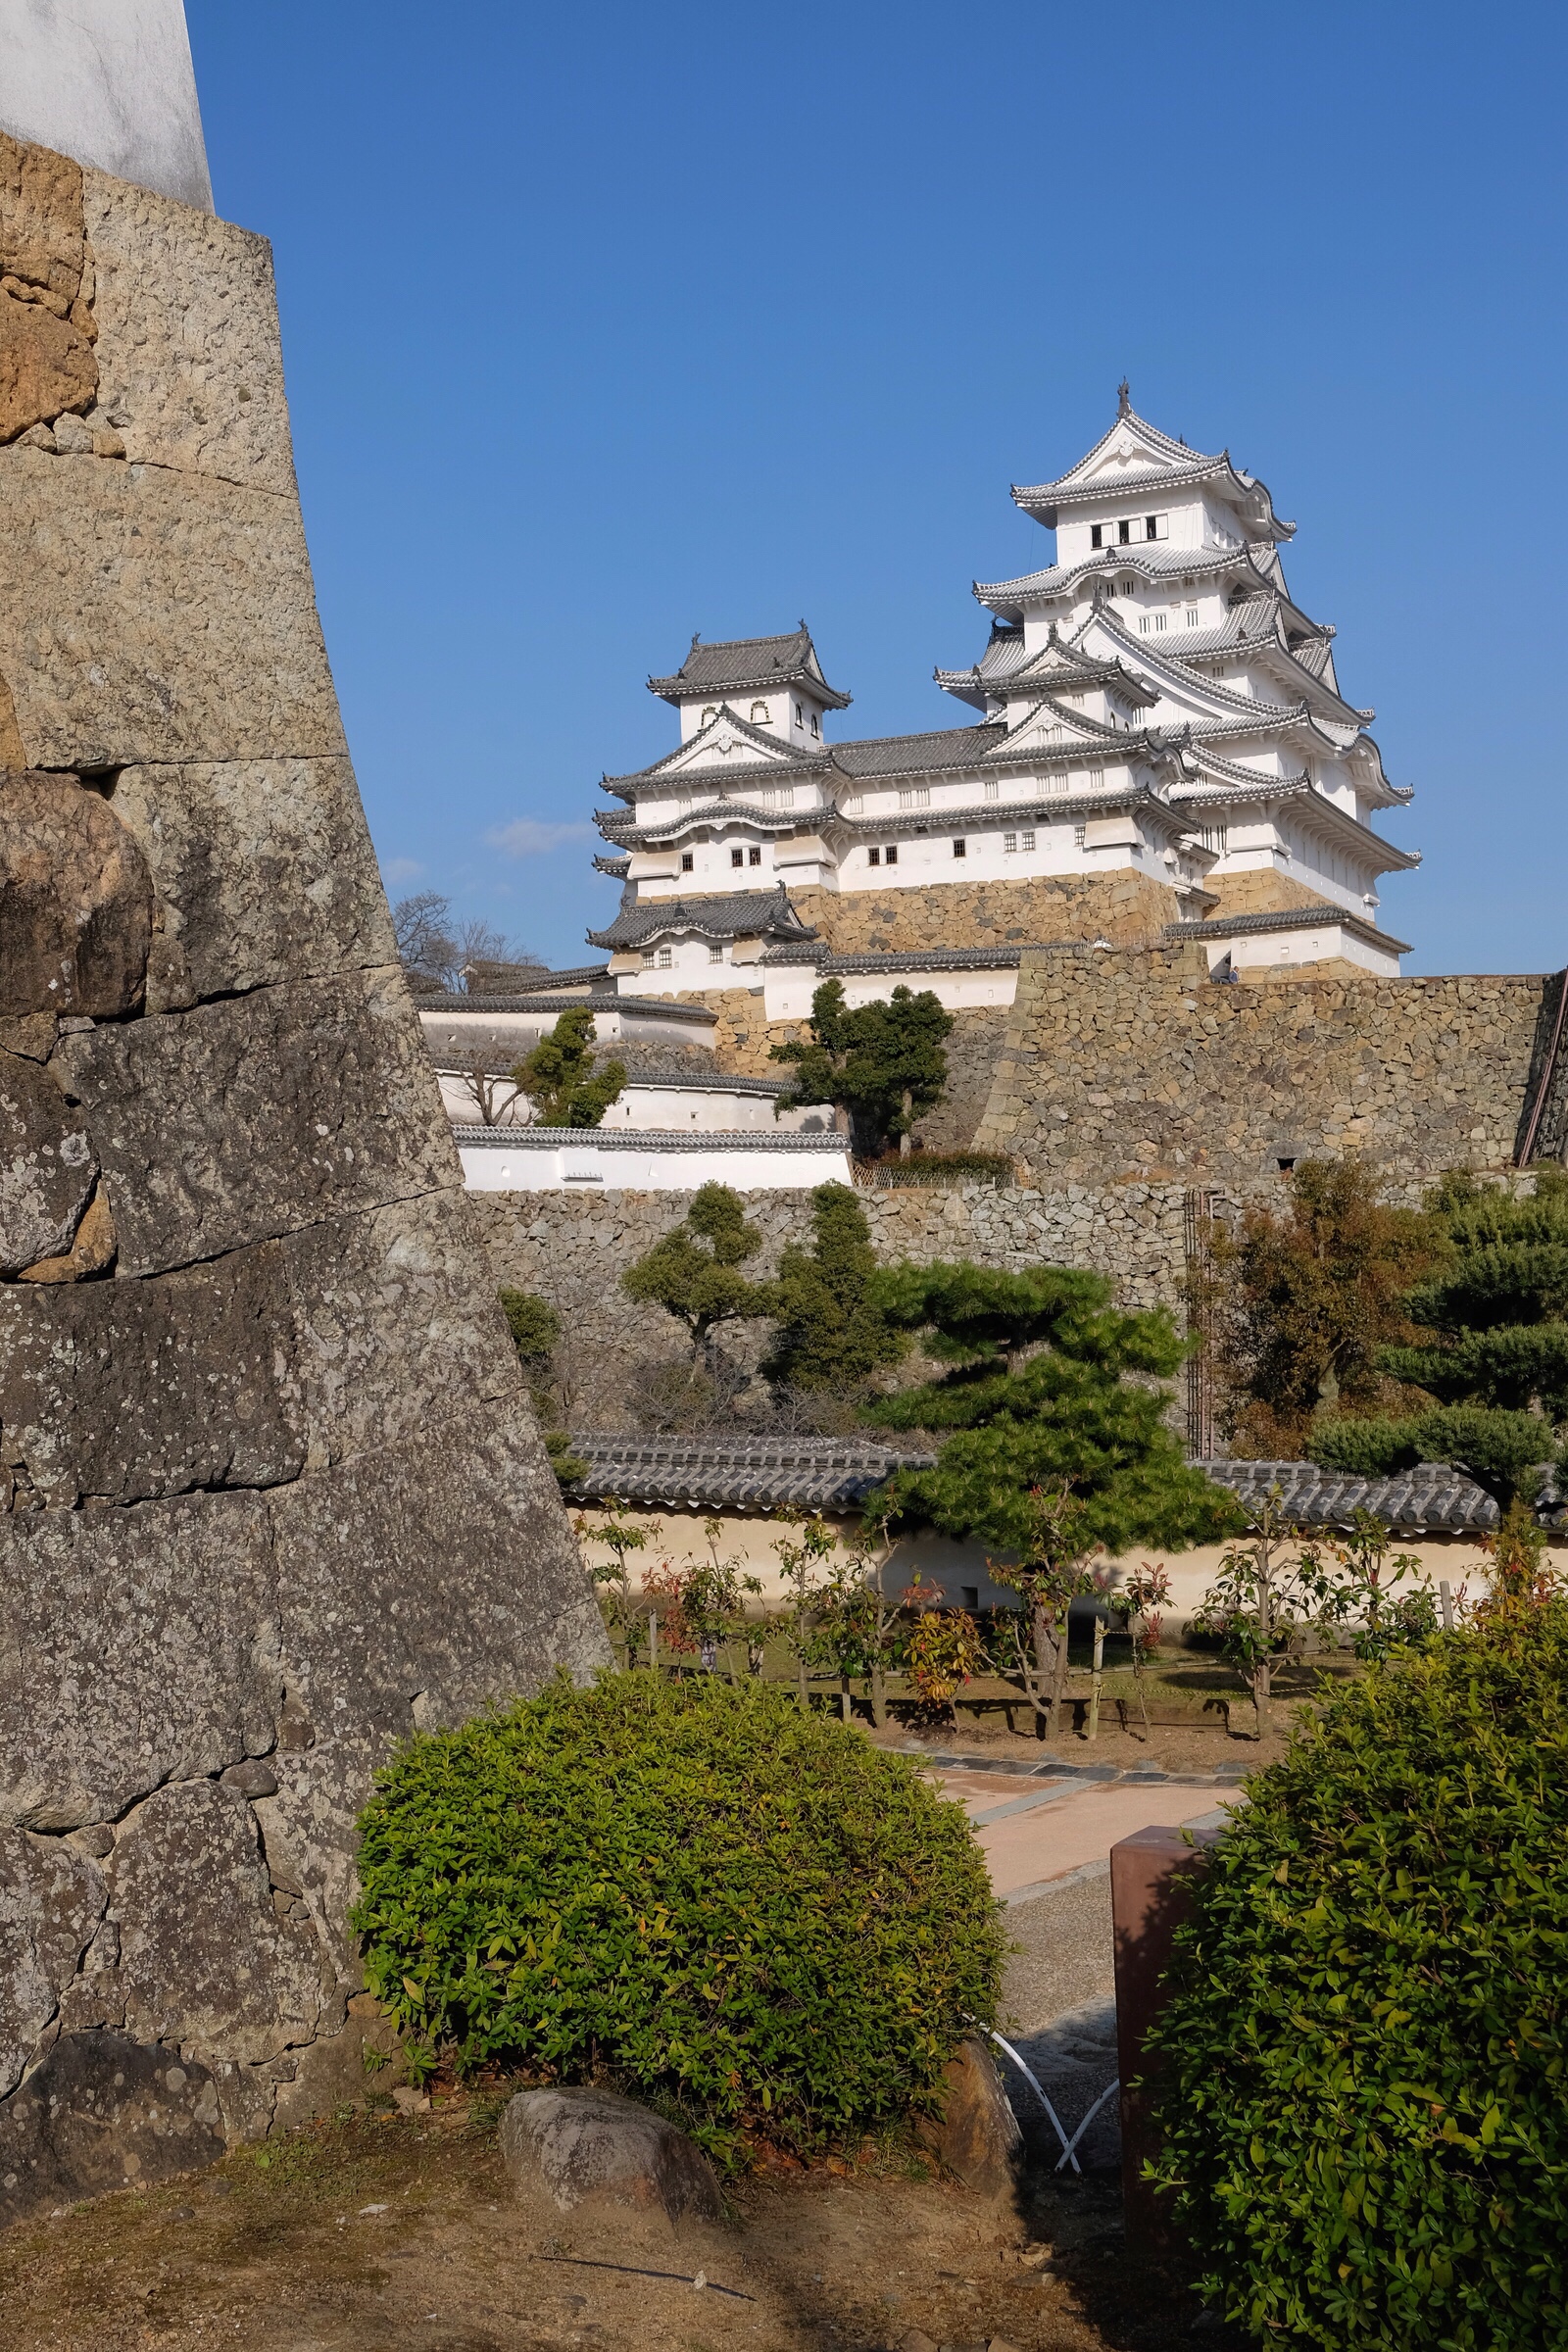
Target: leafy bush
943,1167
1363,2059
743,1912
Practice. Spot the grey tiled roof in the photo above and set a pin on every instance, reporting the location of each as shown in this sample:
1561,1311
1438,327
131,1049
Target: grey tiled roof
602,999
1289,918
745,664
907,959
1433,1496
902,755
732,914
1152,564
718,1473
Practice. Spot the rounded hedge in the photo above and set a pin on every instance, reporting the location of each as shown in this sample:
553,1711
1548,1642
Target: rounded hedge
742,1911
1361,2074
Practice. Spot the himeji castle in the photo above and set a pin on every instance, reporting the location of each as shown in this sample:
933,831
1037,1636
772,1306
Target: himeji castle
1160,751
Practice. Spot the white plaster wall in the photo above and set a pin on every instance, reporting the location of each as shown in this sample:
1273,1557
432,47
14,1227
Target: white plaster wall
110,82
573,1167
959,1569
788,992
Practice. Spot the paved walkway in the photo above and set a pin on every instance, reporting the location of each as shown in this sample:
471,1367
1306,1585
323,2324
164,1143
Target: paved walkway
1038,1827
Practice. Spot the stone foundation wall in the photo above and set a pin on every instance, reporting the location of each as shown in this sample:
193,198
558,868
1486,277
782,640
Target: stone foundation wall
1123,906
1261,891
1123,1065
571,1249
270,1493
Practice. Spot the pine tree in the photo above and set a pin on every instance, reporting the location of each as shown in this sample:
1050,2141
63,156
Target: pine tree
831,1333
882,1065
559,1076
1496,1356
693,1271
1052,1390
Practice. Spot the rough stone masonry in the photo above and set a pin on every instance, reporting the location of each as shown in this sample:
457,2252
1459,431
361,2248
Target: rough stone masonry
271,1494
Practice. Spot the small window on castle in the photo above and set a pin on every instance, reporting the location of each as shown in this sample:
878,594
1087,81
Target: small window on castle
1192,616
873,857
1097,779
889,855
816,725
754,856
960,848
916,796
687,862
1157,526
663,959
1097,534
737,857
1026,841
1080,837
648,960
1124,534
993,789
715,955
1009,845
758,714
797,719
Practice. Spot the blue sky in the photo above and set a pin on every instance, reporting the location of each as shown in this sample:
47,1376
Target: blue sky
606,325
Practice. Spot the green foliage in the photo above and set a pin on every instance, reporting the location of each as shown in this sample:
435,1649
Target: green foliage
744,1911
692,1273
1361,2066
945,1167
621,1539
1499,1450
559,1076
533,1323
883,1063
535,1329
832,1333
1492,1346
1305,1299
1064,1415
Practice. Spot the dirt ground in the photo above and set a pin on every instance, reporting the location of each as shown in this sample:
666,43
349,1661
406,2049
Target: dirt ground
376,2232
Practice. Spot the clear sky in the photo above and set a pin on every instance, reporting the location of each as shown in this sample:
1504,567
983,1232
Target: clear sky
605,325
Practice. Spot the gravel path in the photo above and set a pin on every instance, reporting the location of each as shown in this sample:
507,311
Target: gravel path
1058,2010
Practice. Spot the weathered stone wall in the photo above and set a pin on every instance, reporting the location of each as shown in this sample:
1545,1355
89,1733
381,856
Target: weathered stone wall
1261,890
571,1248
269,1490
1123,906
1136,1066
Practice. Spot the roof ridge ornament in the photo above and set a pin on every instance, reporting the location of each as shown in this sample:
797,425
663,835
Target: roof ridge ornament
1124,398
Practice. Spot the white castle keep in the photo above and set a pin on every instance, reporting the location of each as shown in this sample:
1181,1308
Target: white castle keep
1161,745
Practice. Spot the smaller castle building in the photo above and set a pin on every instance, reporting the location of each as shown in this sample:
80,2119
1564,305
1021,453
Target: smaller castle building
1161,751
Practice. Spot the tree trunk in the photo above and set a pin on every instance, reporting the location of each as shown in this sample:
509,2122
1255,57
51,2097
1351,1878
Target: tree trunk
879,1697
1261,1698
905,1139
846,1706
806,1689
1045,1653
1058,1680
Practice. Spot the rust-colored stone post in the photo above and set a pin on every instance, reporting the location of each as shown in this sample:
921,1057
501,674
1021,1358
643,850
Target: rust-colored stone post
1150,1894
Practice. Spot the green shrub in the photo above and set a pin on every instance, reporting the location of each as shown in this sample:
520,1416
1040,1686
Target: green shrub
1362,2084
738,1909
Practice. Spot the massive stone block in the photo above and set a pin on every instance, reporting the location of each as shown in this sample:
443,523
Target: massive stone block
271,1491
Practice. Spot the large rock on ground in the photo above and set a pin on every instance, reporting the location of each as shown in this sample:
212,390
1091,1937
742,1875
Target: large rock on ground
592,2146
270,1493
978,2138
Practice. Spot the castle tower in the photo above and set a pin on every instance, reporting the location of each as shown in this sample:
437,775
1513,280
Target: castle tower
1161,749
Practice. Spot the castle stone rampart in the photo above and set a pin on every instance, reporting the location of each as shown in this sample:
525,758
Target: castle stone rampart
270,1493
1134,1065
